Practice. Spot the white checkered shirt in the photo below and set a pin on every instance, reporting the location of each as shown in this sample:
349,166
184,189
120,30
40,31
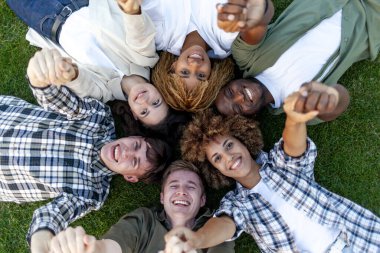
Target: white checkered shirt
293,179
54,153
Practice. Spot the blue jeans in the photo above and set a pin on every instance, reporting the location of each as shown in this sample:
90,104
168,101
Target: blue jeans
45,16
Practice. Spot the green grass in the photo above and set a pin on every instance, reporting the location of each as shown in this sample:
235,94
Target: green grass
348,161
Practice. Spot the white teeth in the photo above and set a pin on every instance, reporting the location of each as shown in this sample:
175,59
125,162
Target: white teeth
116,153
249,93
181,202
196,56
236,164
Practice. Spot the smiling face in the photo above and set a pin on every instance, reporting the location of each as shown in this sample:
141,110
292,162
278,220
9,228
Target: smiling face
127,156
193,65
182,197
241,96
230,157
147,104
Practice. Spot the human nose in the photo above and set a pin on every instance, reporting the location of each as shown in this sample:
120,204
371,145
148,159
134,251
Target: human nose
238,98
181,191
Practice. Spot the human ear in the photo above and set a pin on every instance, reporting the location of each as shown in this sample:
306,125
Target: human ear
131,179
203,200
162,198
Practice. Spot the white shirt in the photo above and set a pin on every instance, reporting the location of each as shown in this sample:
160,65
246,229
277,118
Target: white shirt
175,19
309,236
303,60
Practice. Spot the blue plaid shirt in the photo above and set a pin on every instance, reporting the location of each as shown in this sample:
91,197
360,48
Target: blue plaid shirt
53,152
293,179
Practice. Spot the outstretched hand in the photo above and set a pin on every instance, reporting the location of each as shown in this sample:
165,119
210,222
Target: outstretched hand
180,240
73,240
241,15
49,67
131,7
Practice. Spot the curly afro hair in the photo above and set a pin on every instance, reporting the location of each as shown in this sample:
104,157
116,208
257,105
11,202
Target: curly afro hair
173,89
205,127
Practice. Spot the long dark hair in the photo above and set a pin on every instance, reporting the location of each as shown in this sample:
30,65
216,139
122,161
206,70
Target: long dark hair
169,129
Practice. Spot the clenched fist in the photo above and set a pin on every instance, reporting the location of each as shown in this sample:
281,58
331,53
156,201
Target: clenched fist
49,67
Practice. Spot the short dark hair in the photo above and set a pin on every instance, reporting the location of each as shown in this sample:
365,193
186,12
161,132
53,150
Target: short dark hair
159,155
204,127
185,166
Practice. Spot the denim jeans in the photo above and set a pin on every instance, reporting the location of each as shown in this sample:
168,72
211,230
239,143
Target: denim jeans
42,15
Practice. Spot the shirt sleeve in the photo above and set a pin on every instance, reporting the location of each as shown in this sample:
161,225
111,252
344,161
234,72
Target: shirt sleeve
228,208
100,83
130,231
59,213
140,37
63,101
303,163
225,247
244,53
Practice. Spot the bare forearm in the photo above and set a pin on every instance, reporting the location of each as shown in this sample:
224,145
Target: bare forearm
215,231
294,136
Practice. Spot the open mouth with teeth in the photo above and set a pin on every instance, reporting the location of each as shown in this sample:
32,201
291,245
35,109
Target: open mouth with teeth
116,152
196,56
180,202
249,94
236,164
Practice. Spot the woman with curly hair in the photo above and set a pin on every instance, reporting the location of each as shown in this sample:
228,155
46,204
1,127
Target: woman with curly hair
186,76
207,127
276,199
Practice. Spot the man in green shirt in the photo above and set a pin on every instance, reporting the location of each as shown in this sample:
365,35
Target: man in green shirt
310,41
143,230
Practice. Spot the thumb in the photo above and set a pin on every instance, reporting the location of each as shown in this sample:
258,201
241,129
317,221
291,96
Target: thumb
68,70
90,242
310,115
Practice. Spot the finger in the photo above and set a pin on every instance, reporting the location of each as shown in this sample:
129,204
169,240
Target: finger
41,65
63,242
34,71
306,87
299,105
79,235
55,247
323,102
332,103
90,243
67,72
312,101
290,101
50,64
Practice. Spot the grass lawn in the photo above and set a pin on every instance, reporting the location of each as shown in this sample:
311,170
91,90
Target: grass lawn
348,162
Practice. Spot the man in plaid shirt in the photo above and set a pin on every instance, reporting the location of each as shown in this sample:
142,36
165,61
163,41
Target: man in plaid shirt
276,199
66,151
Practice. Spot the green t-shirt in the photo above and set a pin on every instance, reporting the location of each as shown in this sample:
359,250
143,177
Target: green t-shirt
360,37
143,230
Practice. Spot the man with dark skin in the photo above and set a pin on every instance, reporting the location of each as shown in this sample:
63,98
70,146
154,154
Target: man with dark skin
297,50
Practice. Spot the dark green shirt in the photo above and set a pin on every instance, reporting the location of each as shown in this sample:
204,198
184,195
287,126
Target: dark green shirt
360,37
143,230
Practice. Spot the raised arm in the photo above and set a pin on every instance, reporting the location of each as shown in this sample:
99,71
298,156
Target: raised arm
48,67
140,33
54,217
250,17
76,240
215,231
295,132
